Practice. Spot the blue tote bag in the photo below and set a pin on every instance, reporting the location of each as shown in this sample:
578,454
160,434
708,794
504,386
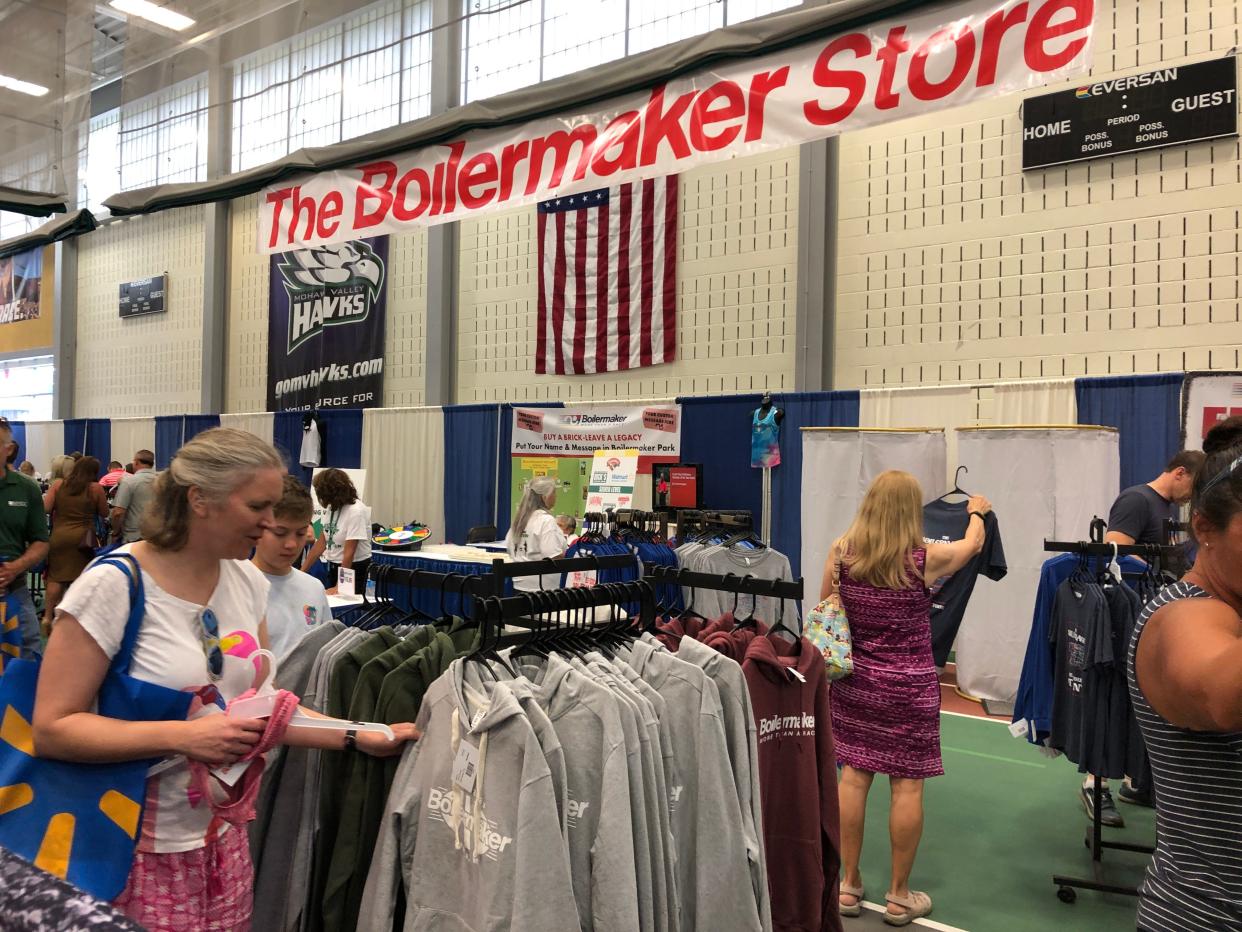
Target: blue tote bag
80,821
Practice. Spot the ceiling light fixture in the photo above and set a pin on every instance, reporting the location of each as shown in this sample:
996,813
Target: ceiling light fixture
161,16
22,87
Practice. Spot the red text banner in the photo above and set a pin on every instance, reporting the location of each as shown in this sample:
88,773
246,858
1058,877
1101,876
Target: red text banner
904,66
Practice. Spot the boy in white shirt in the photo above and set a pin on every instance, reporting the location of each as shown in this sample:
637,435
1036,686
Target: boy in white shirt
297,602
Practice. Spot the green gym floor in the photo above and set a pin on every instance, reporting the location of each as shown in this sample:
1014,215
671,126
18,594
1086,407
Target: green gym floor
1000,822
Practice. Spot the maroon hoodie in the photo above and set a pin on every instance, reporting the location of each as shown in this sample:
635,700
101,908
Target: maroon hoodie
797,782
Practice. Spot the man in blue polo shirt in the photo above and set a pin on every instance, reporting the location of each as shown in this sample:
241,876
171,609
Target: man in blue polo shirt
23,540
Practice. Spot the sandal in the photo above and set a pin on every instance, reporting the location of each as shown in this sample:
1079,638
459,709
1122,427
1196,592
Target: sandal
917,905
857,893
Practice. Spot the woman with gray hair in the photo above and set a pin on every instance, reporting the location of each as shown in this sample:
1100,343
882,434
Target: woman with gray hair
534,534
202,631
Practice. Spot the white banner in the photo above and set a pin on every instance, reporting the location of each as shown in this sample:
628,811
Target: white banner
1207,400
905,66
1043,482
654,431
838,466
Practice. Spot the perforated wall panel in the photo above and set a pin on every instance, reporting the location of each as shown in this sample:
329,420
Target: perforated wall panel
736,284
144,365
955,266
249,275
245,367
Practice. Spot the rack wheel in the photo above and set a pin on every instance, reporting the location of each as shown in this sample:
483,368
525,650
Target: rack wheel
1067,894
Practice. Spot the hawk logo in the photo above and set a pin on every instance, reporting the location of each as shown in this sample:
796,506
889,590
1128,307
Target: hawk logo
329,286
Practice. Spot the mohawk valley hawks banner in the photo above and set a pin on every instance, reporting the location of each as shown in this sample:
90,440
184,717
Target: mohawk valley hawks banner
325,346
21,279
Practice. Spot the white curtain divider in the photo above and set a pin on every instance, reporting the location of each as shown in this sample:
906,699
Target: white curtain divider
262,424
44,440
131,434
1043,482
403,454
1048,401
838,464
948,406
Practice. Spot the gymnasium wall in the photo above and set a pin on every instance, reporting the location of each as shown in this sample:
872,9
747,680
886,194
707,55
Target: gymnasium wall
144,365
955,266
737,279
249,277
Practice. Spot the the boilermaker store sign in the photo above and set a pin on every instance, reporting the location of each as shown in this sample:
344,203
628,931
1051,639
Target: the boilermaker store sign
1168,107
326,327
915,62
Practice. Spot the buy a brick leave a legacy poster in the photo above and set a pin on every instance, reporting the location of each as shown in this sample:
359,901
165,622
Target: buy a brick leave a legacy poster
326,326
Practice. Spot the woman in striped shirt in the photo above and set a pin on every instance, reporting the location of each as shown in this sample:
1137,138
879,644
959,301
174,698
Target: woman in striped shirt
1185,669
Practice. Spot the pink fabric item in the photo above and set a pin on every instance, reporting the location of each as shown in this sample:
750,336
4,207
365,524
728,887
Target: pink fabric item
209,889
237,807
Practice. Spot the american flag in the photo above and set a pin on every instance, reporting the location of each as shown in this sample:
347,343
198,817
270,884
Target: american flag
608,279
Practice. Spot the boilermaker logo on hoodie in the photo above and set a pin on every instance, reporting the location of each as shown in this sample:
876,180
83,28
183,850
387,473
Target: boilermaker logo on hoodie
786,726
440,808
576,812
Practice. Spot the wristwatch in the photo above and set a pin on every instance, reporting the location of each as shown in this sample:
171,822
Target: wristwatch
351,739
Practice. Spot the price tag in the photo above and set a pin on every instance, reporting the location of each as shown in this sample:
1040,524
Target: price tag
345,581
1019,729
465,766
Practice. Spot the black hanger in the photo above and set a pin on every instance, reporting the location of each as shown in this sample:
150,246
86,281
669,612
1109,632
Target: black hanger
780,621
957,489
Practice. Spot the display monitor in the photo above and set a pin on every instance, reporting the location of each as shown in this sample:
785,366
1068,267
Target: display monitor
676,485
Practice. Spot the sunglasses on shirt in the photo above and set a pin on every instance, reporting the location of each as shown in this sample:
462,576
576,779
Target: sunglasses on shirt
211,643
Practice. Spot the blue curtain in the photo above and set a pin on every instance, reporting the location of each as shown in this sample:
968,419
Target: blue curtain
805,409
287,438
1146,409
75,434
195,424
342,439
716,433
19,437
504,464
98,442
470,437
169,429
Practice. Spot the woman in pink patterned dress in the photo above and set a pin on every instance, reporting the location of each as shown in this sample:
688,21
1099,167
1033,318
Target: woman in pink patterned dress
886,715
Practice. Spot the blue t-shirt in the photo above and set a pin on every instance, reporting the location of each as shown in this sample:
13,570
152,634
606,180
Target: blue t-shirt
296,603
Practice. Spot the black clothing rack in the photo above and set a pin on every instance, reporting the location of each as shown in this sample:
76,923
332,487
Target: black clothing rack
524,608
747,585
502,570
1154,555
691,520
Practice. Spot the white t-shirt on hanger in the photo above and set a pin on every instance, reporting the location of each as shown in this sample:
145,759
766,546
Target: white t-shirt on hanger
542,538
353,522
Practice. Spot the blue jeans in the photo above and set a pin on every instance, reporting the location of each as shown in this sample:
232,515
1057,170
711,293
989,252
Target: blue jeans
32,645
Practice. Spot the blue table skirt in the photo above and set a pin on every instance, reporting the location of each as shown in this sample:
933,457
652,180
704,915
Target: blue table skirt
428,600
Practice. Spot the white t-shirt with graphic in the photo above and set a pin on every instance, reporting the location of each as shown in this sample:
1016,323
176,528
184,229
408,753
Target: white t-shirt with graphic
296,604
169,651
353,522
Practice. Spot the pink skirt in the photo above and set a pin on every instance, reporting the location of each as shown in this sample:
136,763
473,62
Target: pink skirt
209,889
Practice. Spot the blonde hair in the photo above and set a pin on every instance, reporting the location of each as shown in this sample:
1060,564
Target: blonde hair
216,462
879,546
62,465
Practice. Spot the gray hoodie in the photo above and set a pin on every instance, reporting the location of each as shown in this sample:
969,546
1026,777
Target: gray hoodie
483,854
743,743
601,832
660,769
641,821
714,885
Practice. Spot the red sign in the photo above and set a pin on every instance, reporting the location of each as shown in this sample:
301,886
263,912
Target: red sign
660,419
683,487
1214,415
529,420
